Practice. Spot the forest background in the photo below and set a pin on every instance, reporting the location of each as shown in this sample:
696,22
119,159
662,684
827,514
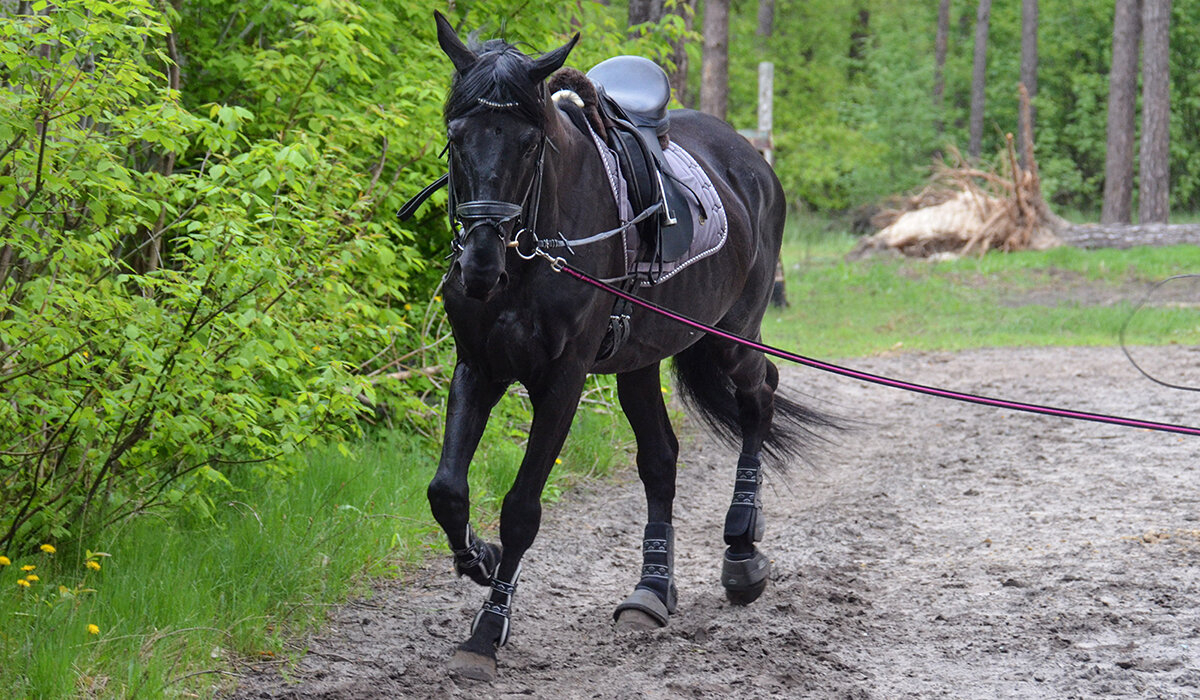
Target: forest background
202,279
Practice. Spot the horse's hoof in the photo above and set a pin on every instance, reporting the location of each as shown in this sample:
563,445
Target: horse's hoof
472,666
631,620
641,611
746,596
745,579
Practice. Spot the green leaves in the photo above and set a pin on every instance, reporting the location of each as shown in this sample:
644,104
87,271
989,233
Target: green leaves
207,274
173,263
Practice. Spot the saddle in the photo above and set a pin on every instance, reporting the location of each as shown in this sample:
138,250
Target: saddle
634,92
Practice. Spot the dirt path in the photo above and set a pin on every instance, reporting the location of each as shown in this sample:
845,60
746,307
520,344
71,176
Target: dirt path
941,550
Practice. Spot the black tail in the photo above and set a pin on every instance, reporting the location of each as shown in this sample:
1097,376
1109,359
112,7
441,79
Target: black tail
794,429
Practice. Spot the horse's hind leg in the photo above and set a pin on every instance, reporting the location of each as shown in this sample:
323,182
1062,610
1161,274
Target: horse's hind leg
735,389
745,570
654,598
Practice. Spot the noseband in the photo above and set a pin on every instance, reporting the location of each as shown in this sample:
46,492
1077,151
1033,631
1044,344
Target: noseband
465,217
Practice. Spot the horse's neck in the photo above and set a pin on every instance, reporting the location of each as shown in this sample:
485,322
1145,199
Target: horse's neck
576,184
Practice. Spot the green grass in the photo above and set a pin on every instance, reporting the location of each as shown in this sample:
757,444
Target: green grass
186,595
1058,297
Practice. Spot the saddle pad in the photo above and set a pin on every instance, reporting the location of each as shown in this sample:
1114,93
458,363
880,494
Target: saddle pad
711,225
711,229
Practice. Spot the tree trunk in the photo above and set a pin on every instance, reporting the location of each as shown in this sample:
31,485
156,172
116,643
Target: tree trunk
860,34
714,81
1092,236
1122,97
645,11
1029,66
679,77
766,18
979,77
939,65
1154,201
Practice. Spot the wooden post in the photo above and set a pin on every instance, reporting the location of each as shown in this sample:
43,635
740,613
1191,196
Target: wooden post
766,126
766,99
762,139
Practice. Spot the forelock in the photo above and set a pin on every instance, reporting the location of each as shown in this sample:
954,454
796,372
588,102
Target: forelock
499,79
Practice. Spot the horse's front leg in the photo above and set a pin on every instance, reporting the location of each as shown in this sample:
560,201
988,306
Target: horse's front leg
471,399
554,402
654,599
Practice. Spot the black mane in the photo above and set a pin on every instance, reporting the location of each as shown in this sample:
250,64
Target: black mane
499,76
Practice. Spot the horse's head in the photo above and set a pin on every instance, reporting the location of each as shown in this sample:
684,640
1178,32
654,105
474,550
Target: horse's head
496,126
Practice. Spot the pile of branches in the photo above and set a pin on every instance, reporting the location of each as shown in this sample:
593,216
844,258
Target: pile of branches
969,210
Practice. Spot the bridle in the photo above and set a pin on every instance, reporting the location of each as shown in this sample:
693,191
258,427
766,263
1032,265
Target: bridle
467,216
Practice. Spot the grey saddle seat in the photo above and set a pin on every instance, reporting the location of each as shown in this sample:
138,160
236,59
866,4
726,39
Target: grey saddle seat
640,86
637,92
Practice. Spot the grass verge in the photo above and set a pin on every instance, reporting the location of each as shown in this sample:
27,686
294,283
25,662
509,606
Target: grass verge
179,601
1064,296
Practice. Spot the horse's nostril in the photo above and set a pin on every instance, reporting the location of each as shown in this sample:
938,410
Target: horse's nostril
479,281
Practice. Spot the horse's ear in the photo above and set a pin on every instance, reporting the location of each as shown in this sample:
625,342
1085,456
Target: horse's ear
462,57
551,61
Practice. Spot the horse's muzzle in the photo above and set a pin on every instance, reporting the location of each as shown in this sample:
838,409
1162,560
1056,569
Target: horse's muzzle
481,264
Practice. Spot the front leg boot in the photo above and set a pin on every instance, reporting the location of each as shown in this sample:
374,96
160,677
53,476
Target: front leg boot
478,560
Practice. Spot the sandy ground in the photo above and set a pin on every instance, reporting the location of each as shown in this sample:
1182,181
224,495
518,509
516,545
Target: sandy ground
937,550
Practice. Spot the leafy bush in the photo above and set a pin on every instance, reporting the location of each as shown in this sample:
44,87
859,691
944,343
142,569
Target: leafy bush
201,267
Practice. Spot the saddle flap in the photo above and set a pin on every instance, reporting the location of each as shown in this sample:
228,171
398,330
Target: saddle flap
633,96
639,86
676,240
668,236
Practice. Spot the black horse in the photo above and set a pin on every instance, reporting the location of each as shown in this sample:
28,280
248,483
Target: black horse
521,169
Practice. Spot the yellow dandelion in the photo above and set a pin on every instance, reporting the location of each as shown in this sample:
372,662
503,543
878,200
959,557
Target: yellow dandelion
5,561
93,629
557,460
93,565
22,583
28,567
48,548
664,389
85,354
408,307
438,299
32,577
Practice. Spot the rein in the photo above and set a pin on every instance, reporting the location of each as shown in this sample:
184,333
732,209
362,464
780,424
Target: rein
560,265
